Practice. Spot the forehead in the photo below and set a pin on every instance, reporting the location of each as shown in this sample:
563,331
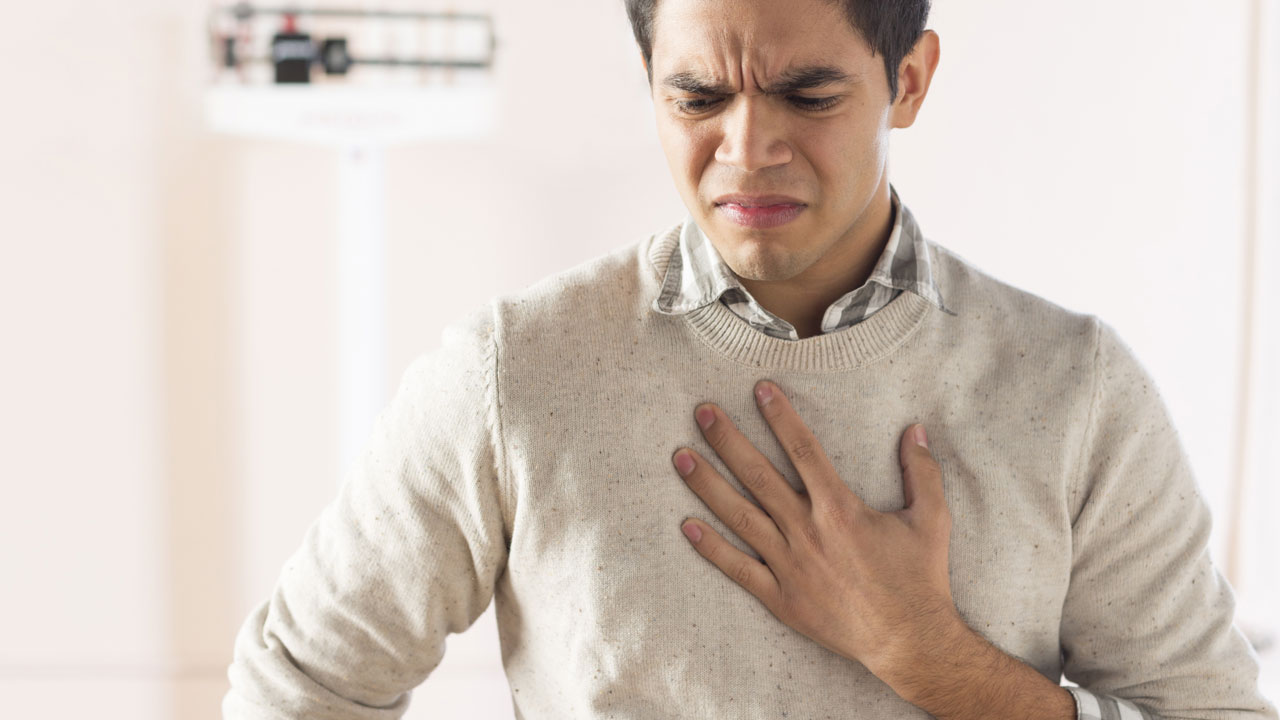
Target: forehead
718,39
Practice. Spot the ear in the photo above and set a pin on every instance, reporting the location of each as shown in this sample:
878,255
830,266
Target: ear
914,76
648,74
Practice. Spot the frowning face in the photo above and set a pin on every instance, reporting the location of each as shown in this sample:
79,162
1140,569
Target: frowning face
765,98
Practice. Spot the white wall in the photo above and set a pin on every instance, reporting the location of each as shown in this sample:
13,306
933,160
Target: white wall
169,378
82,535
1099,154
1260,536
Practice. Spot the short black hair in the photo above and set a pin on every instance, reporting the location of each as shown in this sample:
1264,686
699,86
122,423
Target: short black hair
890,27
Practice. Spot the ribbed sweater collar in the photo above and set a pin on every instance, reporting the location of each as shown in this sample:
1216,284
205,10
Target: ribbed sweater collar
735,338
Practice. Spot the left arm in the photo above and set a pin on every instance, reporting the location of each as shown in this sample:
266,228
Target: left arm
1147,618
1147,621
962,676
826,550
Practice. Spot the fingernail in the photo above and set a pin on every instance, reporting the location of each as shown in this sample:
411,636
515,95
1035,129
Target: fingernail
706,416
764,393
921,439
684,463
692,532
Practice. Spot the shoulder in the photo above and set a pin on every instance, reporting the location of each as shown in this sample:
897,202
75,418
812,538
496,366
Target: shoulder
608,292
604,291
1000,309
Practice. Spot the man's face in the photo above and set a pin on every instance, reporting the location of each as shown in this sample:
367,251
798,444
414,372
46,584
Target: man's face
825,146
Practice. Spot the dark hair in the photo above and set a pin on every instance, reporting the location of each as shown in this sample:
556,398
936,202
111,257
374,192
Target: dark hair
890,27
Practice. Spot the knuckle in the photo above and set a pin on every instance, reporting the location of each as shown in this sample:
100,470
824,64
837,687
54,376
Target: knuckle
924,471
712,552
838,515
742,521
718,440
755,478
811,536
802,450
929,465
742,574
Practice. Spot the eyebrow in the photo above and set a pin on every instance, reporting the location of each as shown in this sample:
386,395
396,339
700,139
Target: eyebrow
792,79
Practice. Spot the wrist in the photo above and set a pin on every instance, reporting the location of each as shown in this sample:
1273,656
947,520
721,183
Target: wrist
904,658
910,664
959,675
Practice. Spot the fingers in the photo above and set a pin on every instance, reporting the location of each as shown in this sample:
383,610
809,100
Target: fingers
821,480
750,466
922,489
741,515
743,569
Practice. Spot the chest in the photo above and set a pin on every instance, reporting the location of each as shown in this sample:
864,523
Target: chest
600,504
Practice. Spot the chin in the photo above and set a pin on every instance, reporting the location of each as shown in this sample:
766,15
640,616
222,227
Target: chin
762,258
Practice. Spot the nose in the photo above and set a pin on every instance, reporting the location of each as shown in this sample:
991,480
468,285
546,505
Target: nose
752,135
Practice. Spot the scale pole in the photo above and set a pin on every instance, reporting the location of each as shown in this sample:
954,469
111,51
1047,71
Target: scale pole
362,298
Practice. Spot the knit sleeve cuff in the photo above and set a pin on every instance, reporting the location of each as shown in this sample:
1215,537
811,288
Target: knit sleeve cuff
1096,706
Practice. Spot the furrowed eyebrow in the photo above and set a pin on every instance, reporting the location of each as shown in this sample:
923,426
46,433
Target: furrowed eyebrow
801,78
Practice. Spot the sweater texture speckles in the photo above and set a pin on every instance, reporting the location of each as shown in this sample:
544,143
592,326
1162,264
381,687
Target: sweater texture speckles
527,462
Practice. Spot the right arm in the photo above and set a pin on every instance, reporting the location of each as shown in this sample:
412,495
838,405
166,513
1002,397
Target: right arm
408,552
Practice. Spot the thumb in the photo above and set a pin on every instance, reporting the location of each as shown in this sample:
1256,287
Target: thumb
921,475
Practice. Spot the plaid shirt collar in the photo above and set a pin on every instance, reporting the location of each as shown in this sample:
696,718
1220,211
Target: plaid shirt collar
697,275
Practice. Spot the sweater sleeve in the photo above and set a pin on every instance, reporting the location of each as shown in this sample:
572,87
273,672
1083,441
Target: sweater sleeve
1147,618
408,552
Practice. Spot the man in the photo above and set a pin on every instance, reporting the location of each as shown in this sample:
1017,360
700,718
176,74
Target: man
1047,523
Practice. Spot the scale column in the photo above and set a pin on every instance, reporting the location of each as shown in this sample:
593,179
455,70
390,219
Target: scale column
362,299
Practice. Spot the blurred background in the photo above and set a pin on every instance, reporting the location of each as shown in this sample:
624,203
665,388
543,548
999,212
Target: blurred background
177,280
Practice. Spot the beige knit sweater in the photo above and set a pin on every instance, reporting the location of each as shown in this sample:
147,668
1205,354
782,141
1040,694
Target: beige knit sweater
528,461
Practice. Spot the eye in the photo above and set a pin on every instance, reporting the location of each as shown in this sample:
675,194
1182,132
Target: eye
695,107
809,103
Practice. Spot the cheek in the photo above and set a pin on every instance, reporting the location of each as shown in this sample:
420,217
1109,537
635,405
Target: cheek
824,161
686,149
841,159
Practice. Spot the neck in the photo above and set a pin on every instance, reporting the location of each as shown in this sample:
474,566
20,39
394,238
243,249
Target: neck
802,300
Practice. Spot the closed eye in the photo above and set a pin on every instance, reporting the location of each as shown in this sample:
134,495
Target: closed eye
804,103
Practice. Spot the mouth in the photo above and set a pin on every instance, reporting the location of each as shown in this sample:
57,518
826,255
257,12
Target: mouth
760,216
